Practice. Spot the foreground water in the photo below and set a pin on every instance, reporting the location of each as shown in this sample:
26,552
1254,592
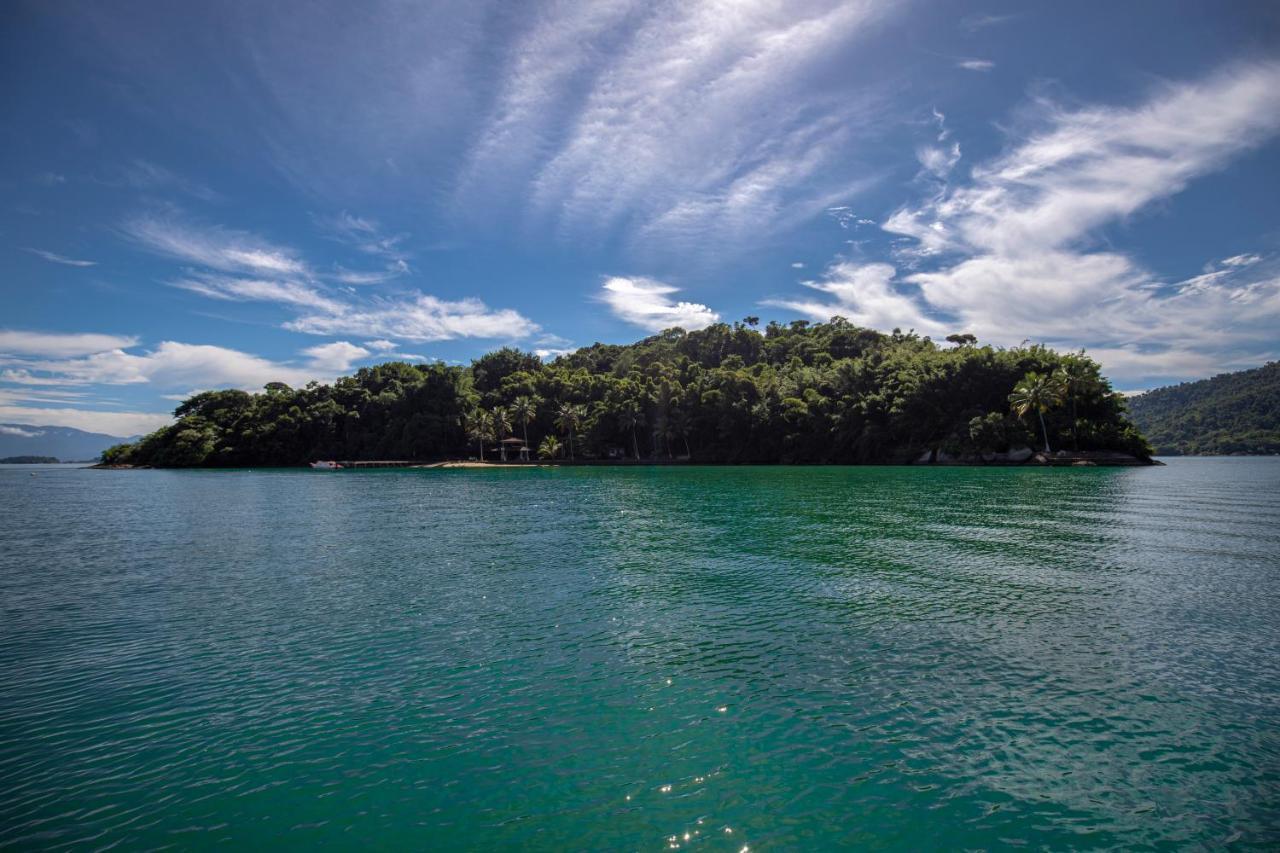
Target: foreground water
720,658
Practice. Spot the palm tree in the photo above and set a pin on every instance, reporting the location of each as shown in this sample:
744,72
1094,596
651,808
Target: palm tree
1075,378
1039,393
568,417
550,447
501,426
479,428
629,418
683,425
524,409
669,432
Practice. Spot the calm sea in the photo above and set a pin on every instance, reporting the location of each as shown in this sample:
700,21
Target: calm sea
641,659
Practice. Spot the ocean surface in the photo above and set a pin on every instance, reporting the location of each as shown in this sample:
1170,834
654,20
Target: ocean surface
641,658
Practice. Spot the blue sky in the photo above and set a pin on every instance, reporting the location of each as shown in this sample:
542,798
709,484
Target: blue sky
219,195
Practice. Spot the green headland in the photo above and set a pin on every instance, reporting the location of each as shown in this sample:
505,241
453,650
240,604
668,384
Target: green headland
796,393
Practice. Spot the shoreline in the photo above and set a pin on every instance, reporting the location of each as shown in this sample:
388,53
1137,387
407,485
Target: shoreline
1059,459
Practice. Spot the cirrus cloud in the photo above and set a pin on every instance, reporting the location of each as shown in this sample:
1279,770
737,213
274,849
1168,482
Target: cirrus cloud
1007,254
57,344
420,318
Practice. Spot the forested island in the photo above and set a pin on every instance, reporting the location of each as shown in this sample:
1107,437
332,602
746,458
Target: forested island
29,460
790,393
1232,414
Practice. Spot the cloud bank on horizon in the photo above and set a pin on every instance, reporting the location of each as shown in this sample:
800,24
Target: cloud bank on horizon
405,182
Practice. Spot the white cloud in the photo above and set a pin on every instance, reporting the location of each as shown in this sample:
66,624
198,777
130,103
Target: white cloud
1241,260
420,318
865,296
23,376
645,303
366,235
380,346
1007,257
171,366
337,356
246,268
1092,166
613,116
974,23
938,161
179,365
283,292
662,125
145,176
393,270
41,395
976,64
797,265
218,248
62,259
551,346
19,432
56,344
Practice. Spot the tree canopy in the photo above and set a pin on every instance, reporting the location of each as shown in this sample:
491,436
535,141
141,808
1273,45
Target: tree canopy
1232,413
799,392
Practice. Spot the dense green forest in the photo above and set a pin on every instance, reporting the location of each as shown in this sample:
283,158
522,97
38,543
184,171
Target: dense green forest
1232,413
820,393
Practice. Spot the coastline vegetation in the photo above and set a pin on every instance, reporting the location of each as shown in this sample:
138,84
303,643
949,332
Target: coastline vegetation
790,393
1229,414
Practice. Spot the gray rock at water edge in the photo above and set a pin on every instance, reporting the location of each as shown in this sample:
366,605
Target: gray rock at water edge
1018,454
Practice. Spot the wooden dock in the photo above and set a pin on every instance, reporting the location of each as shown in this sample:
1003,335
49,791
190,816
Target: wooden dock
377,463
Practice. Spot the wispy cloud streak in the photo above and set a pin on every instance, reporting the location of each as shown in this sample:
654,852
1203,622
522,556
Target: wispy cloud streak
55,258
1007,254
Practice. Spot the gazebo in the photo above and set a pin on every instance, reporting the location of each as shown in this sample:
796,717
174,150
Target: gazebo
516,444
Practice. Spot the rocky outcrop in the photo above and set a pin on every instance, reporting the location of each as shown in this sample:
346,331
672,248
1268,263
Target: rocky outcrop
1027,456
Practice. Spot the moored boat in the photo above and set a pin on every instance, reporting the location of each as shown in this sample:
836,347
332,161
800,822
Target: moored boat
328,465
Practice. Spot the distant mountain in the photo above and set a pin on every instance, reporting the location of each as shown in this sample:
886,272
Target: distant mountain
1230,414
69,445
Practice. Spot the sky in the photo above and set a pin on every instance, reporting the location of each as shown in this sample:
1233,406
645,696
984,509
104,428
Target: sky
218,195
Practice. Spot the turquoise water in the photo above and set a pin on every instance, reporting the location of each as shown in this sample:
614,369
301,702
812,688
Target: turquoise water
647,659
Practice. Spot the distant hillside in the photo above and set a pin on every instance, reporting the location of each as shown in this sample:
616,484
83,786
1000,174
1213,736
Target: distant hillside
63,442
1232,413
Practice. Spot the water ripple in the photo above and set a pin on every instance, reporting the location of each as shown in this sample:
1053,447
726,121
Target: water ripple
717,658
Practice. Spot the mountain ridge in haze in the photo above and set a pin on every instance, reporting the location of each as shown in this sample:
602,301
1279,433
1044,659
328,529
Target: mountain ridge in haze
66,443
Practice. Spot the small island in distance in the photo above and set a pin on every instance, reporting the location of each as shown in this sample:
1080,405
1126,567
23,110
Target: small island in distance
797,393
29,460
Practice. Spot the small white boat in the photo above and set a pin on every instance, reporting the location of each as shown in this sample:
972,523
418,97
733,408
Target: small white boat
326,466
